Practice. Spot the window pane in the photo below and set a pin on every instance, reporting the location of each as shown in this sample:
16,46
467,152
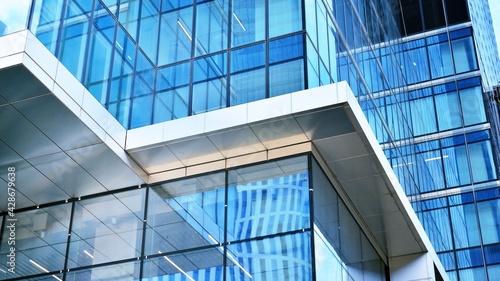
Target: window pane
439,55
448,107
107,228
211,27
489,219
278,258
285,16
464,224
267,199
472,106
456,166
196,265
175,36
482,163
248,22
286,78
45,22
123,271
248,86
148,33
74,39
423,116
40,241
464,55
185,214
141,111
171,105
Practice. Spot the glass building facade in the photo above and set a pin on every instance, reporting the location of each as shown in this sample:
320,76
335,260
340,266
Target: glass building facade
150,61
281,220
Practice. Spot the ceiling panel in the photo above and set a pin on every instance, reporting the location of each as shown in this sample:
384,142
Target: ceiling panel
156,159
279,132
34,185
105,166
58,123
67,174
236,142
18,83
195,151
341,146
356,167
22,136
7,155
325,123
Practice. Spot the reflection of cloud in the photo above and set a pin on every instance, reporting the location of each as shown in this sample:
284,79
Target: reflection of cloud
495,11
14,14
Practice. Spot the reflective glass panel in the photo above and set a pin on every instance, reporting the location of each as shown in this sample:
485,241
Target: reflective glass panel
279,258
464,55
211,26
268,198
472,106
175,36
440,58
185,214
195,265
285,16
107,228
123,271
40,238
248,22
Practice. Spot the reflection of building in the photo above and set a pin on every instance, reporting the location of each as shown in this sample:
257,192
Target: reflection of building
232,140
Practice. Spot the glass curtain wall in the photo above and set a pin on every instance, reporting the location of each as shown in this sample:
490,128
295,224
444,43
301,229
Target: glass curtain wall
257,222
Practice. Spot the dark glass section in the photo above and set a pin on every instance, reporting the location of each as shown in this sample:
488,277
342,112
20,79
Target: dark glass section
456,11
433,14
411,16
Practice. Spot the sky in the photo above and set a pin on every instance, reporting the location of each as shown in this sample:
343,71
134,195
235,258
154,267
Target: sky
495,15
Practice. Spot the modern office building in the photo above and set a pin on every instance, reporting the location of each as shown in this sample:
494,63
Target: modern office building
247,140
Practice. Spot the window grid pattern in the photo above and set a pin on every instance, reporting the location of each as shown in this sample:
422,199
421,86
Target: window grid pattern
247,223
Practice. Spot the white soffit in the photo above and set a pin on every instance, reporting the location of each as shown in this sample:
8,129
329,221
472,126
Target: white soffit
61,141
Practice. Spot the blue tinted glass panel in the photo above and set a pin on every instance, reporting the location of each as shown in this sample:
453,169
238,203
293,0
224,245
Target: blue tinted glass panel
191,211
209,95
98,65
493,271
248,22
489,220
472,273
472,106
286,258
448,108
264,200
440,58
171,104
448,260
120,110
286,78
464,224
210,67
211,27
469,258
437,226
129,17
247,58
285,17
423,116
45,21
74,40
464,55
148,29
141,111
492,254
456,166
286,48
478,136
173,76
248,86
430,171
175,36
482,163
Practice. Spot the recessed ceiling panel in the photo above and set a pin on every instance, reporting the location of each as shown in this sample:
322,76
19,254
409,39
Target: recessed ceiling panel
22,136
57,122
156,159
279,132
236,142
67,174
7,155
195,151
18,83
325,123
